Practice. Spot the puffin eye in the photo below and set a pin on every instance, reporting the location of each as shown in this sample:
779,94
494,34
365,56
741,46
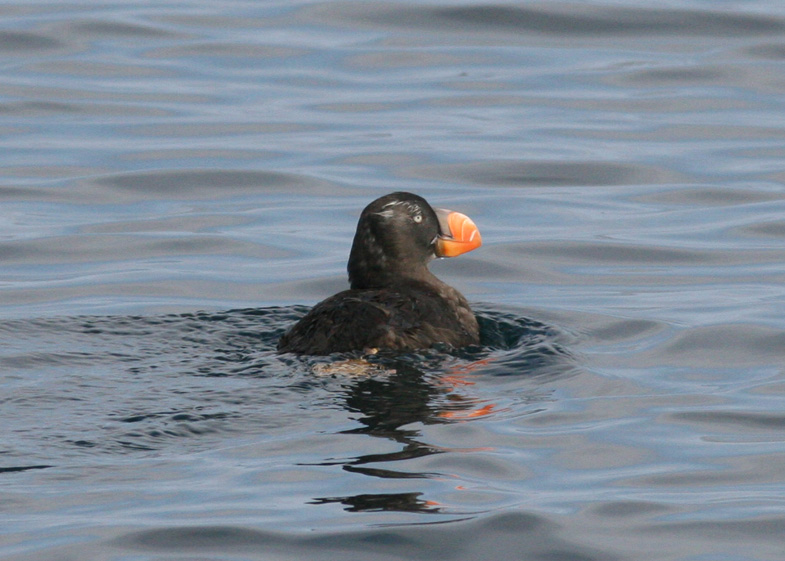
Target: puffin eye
417,218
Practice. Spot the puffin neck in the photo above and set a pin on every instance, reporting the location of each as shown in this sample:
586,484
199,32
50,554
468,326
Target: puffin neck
371,266
365,273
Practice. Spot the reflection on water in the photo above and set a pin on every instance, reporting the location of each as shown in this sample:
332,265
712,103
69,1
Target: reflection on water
390,408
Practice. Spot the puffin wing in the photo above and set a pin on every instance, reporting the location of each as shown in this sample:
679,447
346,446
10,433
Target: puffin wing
344,322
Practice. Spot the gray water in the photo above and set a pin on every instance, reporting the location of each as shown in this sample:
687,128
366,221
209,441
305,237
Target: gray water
180,181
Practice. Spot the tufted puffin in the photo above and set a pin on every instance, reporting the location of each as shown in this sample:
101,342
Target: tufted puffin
394,301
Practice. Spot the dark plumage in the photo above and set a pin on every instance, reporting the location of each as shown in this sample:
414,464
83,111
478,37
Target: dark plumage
394,302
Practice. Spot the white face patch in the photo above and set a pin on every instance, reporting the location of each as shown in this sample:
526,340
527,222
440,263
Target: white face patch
385,213
412,208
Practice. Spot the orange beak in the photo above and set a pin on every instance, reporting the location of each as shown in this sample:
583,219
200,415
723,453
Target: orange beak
458,234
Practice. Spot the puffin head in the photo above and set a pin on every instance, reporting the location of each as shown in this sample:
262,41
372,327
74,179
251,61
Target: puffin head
398,234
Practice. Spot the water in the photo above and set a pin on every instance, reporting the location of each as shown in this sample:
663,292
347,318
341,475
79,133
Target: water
179,182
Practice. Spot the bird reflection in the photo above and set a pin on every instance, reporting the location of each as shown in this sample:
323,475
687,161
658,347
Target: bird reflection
401,502
391,405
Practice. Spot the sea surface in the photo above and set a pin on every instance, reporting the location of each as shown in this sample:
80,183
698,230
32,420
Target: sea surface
180,181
